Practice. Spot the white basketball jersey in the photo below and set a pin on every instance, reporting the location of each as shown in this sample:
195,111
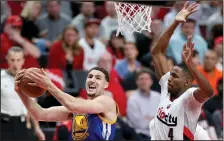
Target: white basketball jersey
175,120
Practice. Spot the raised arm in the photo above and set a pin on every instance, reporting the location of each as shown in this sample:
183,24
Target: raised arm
28,46
205,90
158,51
58,113
102,104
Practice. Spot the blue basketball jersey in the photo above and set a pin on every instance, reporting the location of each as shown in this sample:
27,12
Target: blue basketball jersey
92,127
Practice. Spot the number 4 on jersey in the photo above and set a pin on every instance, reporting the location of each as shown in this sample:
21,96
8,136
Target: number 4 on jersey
170,134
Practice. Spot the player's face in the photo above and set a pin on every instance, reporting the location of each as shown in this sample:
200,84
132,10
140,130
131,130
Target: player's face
15,61
176,81
95,83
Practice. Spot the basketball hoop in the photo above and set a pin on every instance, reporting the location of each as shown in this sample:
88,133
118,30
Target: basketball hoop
132,17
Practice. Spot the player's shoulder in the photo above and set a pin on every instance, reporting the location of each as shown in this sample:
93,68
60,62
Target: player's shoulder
188,94
164,78
191,90
104,99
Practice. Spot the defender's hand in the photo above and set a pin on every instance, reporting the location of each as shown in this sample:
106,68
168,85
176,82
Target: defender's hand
186,11
188,50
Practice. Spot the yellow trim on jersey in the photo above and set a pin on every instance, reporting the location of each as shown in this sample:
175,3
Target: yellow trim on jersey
108,121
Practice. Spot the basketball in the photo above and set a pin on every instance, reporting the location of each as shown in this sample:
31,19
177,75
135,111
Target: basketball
31,91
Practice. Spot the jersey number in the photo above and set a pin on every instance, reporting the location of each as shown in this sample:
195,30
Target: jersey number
170,134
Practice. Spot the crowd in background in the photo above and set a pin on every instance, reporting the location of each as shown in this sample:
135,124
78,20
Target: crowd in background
68,36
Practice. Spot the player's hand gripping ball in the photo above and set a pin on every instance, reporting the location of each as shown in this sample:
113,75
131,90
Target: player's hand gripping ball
31,91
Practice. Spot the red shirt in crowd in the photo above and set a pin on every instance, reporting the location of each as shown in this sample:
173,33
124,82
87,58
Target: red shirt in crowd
212,77
6,44
116,89
57,57
117,55
16,7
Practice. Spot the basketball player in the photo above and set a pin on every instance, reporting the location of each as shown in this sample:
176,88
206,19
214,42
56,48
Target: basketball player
93,119
180,105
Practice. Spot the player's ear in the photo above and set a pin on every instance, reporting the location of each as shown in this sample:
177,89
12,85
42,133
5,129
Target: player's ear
187,82
106,85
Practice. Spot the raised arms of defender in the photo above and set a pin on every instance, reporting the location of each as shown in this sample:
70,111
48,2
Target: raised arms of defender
158,51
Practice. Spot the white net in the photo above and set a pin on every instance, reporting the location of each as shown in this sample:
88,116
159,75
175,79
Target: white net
132,17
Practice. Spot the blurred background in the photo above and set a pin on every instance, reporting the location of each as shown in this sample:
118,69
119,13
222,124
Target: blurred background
67,38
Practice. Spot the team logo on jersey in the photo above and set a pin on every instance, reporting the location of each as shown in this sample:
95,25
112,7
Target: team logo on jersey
167,119
80,127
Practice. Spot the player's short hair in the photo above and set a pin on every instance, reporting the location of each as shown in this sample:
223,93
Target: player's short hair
144,70
189,20
184,67
15,49
103,71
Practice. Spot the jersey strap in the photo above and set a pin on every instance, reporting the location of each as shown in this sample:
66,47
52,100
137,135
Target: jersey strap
188,135
108,121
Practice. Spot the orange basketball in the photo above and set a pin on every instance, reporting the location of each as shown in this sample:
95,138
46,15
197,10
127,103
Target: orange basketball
31,91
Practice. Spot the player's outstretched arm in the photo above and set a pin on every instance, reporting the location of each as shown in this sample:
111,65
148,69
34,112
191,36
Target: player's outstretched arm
158,51
205,90
100,104
58,113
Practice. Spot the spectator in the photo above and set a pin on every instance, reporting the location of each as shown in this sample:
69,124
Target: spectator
65,7
208,8
16,7
209,70
218,48
93,47
67,51
116,47
114,89
109,24
146,40
87,12
196,58
29,15
11,37
171,15
14,114
214,107
129,64
216,102
52,24
5,13
177,41
143,104
214,19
